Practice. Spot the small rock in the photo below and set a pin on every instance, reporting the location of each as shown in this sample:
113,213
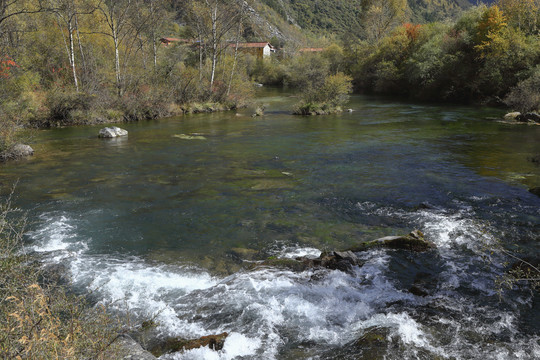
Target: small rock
350,110
22,150
55,274
112,132
512,116
418,291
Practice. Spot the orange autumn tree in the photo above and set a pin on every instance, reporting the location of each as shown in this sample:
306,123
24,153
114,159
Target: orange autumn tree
412,31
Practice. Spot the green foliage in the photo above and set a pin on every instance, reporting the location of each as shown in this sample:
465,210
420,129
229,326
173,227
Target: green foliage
306,71
327,97
319,15
477,59
525,96
63,105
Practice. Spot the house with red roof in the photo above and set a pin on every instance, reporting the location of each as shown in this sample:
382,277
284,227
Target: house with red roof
259,49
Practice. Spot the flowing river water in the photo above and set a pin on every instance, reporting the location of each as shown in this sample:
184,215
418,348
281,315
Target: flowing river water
173,227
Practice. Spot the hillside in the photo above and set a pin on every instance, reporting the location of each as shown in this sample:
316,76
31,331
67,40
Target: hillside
345,16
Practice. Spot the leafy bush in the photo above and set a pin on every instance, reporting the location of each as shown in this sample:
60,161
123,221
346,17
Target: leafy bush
327,98
62,106
525,96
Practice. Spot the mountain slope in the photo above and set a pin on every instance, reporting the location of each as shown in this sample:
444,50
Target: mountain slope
344,16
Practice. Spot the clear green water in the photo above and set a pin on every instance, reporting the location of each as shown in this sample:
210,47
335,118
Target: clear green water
281,184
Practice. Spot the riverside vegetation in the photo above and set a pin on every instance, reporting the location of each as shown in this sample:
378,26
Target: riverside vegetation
69,62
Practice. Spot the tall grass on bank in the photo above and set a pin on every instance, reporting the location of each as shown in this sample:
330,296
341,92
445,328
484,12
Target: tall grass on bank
39,319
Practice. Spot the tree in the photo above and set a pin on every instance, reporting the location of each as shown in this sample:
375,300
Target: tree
10,8
116,14
66,12
381,16
522,14
214,20
490,31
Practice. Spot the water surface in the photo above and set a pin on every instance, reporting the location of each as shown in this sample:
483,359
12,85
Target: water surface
156,221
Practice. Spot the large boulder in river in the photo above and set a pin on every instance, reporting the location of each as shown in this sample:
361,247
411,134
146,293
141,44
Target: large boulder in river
214,342
112,132
415,241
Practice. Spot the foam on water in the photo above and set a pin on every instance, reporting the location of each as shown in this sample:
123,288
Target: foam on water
58,234
268,309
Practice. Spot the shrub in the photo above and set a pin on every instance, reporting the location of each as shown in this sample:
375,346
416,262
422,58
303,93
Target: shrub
526,95
326,98
65,108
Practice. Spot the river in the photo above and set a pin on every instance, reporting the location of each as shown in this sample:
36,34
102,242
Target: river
174,228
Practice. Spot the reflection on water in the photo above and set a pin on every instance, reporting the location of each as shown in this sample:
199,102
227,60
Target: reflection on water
172,218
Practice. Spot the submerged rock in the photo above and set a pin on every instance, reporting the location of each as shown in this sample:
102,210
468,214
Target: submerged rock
414,242
243,254
112,132
190,137
18,151
214,342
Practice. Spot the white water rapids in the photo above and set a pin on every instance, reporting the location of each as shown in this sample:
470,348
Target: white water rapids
272,313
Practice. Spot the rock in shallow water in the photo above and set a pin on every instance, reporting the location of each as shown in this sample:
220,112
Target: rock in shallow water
17,152
415,241
132,350
214,342
112,132
511,116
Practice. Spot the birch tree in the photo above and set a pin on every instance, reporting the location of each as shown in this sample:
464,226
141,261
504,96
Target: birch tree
115,14
66,12
215,20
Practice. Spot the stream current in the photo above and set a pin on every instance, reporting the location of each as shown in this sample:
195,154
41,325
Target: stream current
173,227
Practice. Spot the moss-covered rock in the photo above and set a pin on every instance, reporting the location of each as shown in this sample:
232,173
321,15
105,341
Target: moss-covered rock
414,241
